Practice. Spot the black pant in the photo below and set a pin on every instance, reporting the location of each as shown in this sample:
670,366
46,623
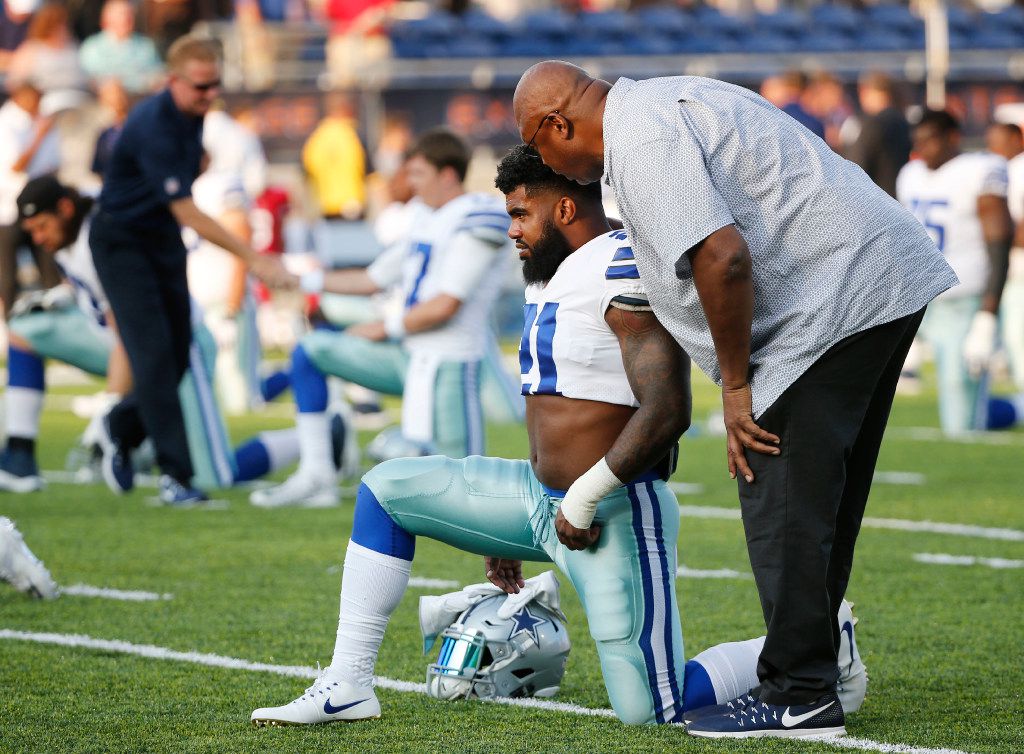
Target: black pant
803,512
144,278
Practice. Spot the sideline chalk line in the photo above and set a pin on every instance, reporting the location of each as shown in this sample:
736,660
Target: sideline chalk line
297,671
934,527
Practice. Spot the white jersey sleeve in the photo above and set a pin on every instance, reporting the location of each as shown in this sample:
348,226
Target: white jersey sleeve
622,278
1015,188
472,255
75,262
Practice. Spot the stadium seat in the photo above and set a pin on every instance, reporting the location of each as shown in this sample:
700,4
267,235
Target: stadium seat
895,18
883,40
469,46
611,24
759,40
481,24
424,37
994,39
550,24
962,21
666,20
828,40
783,22
708,21
836,18
526,46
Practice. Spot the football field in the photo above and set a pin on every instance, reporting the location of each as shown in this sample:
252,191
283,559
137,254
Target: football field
177,623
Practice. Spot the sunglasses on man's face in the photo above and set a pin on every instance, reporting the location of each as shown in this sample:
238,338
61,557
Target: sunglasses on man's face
203,87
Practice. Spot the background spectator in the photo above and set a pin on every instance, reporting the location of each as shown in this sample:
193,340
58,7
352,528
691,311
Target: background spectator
826,100
118,52
335,161
48,55
14,20
115,101
785,92
358,37
882,146
84,17
28,148
1005,140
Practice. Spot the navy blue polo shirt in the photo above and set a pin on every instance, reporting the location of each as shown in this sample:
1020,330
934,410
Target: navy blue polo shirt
154,162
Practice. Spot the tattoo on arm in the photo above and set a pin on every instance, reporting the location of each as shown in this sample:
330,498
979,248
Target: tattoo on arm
659,374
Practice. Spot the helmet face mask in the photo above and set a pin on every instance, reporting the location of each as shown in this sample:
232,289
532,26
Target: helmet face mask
485,656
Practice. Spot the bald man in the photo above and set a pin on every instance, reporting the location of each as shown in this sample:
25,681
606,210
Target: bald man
797,285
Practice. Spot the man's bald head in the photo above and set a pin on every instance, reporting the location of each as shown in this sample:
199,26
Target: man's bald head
559,109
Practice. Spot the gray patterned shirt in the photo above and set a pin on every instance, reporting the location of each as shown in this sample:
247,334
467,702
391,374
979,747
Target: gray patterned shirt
832,253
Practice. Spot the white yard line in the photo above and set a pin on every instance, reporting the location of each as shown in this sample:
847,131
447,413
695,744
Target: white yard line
934,434
911,478
232,663
934,527
719,573
130,595
939,558
426,583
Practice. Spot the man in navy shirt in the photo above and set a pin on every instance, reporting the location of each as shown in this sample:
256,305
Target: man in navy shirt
140,260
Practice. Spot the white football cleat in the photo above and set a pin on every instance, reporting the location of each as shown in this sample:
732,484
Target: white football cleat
853,676
301,489
20,567
323,702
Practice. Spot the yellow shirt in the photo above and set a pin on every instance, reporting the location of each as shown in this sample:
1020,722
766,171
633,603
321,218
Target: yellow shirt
336,162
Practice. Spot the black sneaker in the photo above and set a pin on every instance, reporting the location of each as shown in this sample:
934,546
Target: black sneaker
178,495
822,717
734,705
116,465
19,472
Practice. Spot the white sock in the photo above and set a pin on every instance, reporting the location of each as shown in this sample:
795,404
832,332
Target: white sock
1018,405
282,446
732,667
315,444
24,405
372,585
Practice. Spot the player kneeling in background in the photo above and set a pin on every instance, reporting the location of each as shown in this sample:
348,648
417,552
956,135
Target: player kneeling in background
608,395
77,327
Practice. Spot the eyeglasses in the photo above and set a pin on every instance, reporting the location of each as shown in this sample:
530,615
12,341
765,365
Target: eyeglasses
529,144
204,87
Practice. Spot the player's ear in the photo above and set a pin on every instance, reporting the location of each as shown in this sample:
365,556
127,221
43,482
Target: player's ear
565,210
561,126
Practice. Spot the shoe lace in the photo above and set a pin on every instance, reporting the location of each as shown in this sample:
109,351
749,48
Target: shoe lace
319,686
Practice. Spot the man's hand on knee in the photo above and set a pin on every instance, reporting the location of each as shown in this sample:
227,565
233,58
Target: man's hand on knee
505,574
743,433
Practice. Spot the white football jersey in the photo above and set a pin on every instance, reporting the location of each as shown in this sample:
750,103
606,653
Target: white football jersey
461,249
210,266
1015,192
75,261
945,201
567,347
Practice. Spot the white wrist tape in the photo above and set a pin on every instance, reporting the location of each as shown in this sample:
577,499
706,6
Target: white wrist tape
394,325
312,281
580,503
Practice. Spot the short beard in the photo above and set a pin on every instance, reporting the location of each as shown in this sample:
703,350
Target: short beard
546,255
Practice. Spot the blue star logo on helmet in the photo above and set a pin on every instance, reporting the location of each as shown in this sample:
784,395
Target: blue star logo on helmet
526,622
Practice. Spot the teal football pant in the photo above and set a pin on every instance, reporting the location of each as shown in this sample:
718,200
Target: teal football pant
69,335
457,425
496,507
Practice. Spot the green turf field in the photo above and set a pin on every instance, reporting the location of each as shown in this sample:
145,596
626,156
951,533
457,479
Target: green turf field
944,644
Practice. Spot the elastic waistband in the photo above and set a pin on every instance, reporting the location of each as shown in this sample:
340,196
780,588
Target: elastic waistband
648,476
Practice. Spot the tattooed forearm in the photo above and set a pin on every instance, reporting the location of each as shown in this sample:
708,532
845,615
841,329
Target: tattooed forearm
659,375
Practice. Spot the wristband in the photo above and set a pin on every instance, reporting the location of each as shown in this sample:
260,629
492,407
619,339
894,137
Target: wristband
580,502
312,281
394,325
